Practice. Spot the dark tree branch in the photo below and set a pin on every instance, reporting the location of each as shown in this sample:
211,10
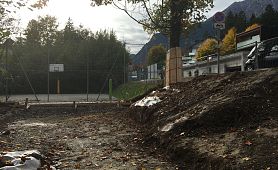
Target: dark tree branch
156,26
148,12
139,22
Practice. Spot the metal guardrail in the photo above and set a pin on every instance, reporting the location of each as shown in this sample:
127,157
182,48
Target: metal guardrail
264,55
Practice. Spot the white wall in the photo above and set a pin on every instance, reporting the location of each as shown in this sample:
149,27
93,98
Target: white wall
233,60
153,73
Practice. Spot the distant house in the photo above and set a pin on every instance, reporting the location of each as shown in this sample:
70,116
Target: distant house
245,41
139,61
228,63
189,58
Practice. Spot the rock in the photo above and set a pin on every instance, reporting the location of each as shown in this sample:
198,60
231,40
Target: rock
6,132
103,130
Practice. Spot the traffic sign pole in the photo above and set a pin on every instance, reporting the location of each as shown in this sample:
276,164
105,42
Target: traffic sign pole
218,51
219,24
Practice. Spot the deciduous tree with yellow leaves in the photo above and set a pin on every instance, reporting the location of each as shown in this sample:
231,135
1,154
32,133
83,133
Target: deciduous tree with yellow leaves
229,42
253,26
208,47
157,54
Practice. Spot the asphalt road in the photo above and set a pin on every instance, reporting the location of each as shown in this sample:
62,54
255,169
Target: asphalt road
58,97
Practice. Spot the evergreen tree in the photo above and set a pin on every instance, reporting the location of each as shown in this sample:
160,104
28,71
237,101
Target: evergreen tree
77,48
229,21
253,19
69,31
269,17
240,21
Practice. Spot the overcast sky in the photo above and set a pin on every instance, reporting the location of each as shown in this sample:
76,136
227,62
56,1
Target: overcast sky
104,17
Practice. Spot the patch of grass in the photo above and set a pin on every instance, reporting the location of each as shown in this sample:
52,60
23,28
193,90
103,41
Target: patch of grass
132,89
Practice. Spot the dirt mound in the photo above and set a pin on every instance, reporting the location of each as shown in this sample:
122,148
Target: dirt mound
219,121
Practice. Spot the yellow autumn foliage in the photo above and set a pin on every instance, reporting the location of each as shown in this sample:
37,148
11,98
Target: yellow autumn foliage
252,27
207,47
229,42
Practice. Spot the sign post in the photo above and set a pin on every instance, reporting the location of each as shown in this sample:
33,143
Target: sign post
219,24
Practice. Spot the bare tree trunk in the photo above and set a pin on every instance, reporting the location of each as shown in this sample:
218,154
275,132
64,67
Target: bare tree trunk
175,24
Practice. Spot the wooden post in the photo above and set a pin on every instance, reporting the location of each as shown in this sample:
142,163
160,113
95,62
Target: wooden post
58,87
74,105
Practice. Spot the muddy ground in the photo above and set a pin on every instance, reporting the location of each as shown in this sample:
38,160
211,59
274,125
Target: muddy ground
89,138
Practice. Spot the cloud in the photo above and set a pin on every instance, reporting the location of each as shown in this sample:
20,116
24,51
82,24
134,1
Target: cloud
104,17
131,32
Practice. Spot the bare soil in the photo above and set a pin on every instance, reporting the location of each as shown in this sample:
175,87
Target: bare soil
225,121
89,138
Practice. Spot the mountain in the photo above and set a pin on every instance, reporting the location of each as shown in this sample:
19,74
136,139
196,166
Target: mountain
251,7
205,29
157,39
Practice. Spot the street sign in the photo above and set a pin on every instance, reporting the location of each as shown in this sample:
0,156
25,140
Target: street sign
219,17
220,26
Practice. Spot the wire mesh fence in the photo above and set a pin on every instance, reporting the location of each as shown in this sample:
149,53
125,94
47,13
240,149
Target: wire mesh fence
74,84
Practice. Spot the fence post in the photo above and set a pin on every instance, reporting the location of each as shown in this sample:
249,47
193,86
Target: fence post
74,105
256,56
26,103
110,90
